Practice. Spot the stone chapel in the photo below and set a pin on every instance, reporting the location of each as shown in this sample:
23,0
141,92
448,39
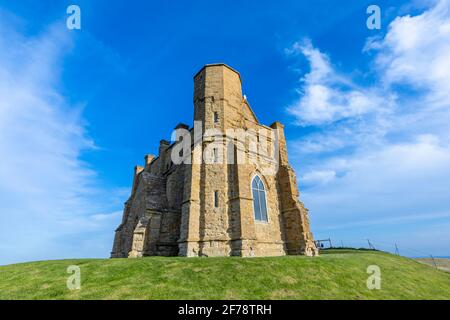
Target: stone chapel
228,196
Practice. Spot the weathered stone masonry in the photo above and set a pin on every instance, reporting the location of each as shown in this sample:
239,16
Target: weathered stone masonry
173,210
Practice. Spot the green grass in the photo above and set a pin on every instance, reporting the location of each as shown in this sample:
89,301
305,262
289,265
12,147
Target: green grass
336,274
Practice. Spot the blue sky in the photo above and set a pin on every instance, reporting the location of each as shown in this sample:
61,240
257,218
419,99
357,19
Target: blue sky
366,112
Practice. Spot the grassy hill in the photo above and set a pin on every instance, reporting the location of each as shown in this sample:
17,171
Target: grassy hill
336,274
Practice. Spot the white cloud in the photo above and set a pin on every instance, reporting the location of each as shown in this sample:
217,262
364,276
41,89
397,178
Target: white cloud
107,216
391,160
318,177
416,51
386,193
46,191
397,185
327,96
389,220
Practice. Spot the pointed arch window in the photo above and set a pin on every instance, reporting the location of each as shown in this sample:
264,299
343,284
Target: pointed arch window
259,199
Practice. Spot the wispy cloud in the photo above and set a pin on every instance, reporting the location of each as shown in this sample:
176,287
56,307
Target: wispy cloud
327,96
393,220
415,52
318,177
46,190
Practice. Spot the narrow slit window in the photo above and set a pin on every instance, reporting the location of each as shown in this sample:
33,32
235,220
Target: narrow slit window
216,155
216,199
216,117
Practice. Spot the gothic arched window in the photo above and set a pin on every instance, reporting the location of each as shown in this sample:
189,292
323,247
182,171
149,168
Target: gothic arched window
259,199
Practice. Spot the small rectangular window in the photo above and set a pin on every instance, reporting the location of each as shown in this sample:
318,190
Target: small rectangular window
216,117
216,155
216,199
